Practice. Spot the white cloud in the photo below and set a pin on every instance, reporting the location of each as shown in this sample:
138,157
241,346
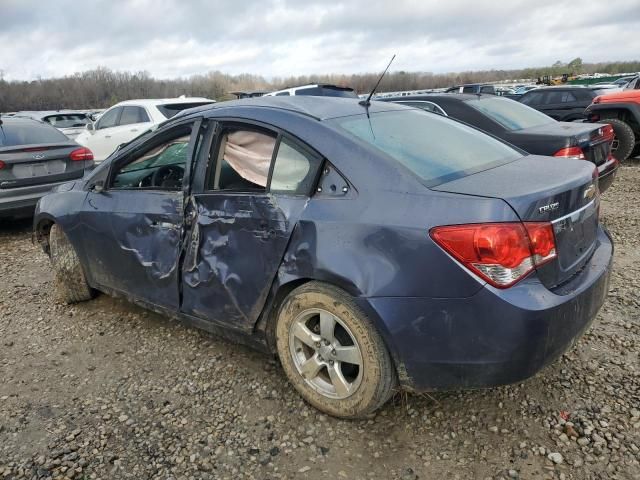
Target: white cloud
169,38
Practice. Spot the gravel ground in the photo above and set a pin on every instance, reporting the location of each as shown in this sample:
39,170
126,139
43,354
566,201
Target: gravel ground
104,389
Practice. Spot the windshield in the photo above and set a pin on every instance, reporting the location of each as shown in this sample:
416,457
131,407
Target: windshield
67,120
510,114
435,148
171,109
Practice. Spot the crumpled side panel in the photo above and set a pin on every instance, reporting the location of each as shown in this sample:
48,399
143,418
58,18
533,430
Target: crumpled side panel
233,253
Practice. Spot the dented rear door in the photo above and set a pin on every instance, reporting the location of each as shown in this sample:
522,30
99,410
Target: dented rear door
233,251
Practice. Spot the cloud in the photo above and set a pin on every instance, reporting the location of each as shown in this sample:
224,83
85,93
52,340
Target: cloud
170,38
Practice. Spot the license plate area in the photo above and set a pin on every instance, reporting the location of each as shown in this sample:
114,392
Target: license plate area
39,169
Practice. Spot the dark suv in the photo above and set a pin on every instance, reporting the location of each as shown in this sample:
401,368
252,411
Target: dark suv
565,104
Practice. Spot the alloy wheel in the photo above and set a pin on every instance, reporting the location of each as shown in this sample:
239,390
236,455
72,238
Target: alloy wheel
325,353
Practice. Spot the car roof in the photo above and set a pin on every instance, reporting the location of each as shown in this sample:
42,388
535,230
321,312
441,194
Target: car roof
40,114
320,108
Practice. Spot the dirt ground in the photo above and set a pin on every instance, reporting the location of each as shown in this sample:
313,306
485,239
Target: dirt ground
106,390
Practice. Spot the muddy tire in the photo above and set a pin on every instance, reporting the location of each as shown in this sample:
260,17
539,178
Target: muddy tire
70,281
624,140
332,353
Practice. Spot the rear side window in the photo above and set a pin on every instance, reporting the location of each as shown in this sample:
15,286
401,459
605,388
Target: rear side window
327,91
510,114
29,133
67,120
132,115
433,147
559,97
294,170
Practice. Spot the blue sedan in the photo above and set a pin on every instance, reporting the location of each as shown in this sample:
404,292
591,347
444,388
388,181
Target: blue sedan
371,247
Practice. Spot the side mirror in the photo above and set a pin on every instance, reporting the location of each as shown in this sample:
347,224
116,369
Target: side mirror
91,127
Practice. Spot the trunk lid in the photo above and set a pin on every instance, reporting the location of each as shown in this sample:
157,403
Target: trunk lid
28,165
545,189
549,138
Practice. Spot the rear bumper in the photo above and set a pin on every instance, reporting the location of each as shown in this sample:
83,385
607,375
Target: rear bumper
21,201
607,173
495,337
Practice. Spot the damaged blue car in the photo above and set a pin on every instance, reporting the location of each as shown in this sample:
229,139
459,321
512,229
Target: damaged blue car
372,247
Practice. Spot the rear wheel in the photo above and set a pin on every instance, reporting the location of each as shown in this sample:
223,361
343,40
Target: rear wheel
624,139
71,285
332,353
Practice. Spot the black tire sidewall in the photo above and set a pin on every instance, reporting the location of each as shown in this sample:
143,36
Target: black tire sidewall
626,138
374,389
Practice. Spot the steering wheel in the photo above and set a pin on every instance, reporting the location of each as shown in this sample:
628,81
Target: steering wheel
168,176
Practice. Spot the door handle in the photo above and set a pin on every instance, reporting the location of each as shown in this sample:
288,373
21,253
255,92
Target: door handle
164,225
107,136
133,130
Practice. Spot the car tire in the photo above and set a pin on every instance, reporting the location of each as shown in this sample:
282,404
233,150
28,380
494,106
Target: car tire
321,331
70,282
624,140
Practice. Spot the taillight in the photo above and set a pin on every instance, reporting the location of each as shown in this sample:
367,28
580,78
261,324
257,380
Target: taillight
80,154
607,132
2,164
570,152
500,253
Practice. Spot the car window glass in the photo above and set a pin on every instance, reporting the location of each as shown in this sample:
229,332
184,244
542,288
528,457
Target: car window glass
510,114
294,169
161,167
282,94
109,119
427,106
532,98
316,91
132,115
433,147
471,89
243,160
29,133
487,89
67,120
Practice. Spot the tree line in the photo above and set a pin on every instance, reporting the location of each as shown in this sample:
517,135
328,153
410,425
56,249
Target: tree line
101,88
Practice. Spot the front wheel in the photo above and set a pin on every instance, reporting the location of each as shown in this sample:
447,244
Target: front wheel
332,353
71,283
624,139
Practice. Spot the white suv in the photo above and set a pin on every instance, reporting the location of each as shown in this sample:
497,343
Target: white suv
126,120
316,90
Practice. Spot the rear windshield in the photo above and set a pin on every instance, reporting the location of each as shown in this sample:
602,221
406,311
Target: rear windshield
67,120
29,133
171,109
510,114
435,148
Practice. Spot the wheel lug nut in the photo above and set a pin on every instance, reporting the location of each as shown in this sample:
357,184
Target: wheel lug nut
317,344
333,352
330,362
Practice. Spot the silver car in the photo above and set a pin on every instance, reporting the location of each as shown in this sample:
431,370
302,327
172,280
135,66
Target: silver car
34,158
69,122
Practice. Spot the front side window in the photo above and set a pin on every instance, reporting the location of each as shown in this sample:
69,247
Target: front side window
109,118
160,167
131,115
434,148
510,114
532,98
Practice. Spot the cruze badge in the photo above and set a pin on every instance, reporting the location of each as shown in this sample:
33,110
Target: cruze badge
589,192
552,207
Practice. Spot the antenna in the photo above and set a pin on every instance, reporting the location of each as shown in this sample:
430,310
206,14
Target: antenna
367,102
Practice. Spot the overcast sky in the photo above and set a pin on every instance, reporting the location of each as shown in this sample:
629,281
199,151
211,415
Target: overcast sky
171,38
